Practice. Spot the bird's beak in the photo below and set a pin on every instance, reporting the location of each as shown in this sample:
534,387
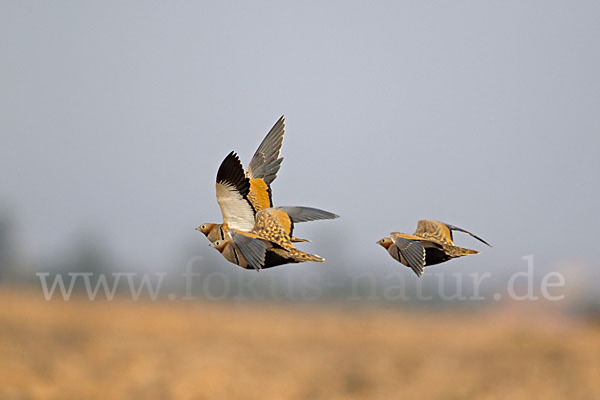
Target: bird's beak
197,229
212,245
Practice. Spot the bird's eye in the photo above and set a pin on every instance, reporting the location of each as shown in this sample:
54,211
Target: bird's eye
203,227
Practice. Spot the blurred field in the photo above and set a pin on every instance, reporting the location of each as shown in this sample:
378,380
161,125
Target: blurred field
192,350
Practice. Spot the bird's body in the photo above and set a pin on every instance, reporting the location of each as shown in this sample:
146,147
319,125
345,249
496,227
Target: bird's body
270,242
216,232
432,243
274,256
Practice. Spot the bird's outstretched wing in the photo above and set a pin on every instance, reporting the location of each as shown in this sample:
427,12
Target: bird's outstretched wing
305,214
412,251
232,194
428,229
265,162
252,248
267,172
456,228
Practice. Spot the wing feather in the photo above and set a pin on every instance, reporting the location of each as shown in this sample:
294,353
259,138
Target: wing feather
456,228
412,251
267,153
304,214
260,195
232,194
275,226
267,172
428,229
252,248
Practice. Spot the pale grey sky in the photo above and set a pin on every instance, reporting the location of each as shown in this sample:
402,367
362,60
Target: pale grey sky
114,116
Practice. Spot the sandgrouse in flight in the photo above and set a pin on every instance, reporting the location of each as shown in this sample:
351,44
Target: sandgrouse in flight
261,172
430,244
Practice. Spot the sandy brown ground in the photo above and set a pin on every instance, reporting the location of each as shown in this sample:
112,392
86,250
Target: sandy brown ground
123,350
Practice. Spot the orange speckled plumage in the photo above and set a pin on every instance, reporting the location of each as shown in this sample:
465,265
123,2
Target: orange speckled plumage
274,226
260,194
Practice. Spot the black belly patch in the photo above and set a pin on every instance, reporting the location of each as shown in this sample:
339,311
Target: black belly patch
435,256
273,259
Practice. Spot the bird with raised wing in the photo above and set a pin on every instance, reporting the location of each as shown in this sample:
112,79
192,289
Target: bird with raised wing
233,189
432,243
261,172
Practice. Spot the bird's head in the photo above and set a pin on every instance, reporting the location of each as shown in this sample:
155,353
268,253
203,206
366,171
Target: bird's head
206,228
386,242
219,244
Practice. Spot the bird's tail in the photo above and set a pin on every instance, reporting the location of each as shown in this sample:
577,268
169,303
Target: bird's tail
295,239
300,256
456,251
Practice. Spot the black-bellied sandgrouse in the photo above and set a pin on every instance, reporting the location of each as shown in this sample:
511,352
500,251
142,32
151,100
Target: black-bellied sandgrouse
261,172
431,244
